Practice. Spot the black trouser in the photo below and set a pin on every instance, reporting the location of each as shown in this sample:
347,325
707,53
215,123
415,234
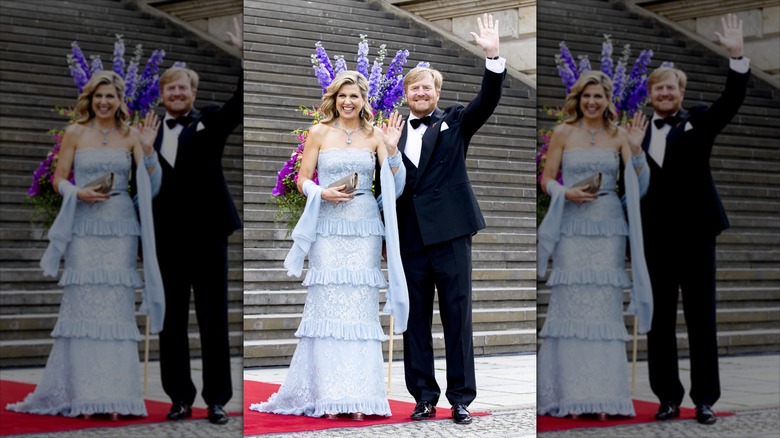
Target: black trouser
444,268
200,266
688,265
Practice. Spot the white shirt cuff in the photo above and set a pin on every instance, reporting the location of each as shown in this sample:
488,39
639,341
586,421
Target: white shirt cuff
740,65
495,65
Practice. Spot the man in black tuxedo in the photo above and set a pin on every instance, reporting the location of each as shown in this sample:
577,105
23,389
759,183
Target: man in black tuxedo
194,214
437,216
681,216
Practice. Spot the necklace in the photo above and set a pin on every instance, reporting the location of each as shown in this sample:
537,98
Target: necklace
592,132
349,131
105,132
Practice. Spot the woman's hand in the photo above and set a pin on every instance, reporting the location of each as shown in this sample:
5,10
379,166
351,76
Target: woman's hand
391,132
636,132
148,132
92,195
579,196
335,196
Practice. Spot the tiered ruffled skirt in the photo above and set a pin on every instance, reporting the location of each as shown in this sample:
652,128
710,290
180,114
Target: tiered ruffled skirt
337,367
582,366
94,366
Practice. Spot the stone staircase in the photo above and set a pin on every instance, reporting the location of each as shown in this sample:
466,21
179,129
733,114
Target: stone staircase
279,79
35,38
744,162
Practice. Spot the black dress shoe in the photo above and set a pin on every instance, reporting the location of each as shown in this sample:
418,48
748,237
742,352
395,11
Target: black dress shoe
461,415
704,414
667,411
217,414
179,411
423,411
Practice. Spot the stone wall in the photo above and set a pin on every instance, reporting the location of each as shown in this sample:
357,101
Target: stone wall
213,17
761,25
517,19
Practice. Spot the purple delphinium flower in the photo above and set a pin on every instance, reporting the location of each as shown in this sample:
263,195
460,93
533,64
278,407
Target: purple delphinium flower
568,59
396,66
618,82
79,76
119,57
362,56
130,82
96,65
153,64
78,57
322,57
148,96
341,65
375,78
584,64
323,77
393,95
636,84
606,56
637,97
567,76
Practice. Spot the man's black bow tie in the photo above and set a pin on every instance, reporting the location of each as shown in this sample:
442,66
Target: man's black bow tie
424,120
671,121
183,120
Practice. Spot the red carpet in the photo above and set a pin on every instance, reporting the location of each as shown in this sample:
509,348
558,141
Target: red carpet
645,413
258,423
13,423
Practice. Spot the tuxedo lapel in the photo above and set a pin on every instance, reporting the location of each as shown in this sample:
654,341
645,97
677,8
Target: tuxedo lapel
402,140
429,141
676,131
158,139
186,134
646,140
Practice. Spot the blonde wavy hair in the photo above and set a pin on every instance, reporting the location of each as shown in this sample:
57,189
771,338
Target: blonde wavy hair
571,109
328,107
84,112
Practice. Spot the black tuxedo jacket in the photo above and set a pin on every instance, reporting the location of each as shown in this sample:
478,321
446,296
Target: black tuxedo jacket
194,195
438,203
682,197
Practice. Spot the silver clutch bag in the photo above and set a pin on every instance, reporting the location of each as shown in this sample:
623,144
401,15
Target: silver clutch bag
591,184
350,181
106,183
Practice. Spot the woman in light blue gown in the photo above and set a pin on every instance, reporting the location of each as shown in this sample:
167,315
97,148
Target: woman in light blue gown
582,367
93,367
337,367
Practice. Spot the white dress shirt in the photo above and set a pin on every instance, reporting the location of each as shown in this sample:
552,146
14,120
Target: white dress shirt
170,140
413,147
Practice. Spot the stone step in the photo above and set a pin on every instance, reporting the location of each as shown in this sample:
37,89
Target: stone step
279,352
47,301
727,297
291,301
284,325
492,277
40,325
730,343
740,319
27,352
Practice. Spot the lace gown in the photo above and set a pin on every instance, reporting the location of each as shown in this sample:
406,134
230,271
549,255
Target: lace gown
94,366
337,366
582,364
